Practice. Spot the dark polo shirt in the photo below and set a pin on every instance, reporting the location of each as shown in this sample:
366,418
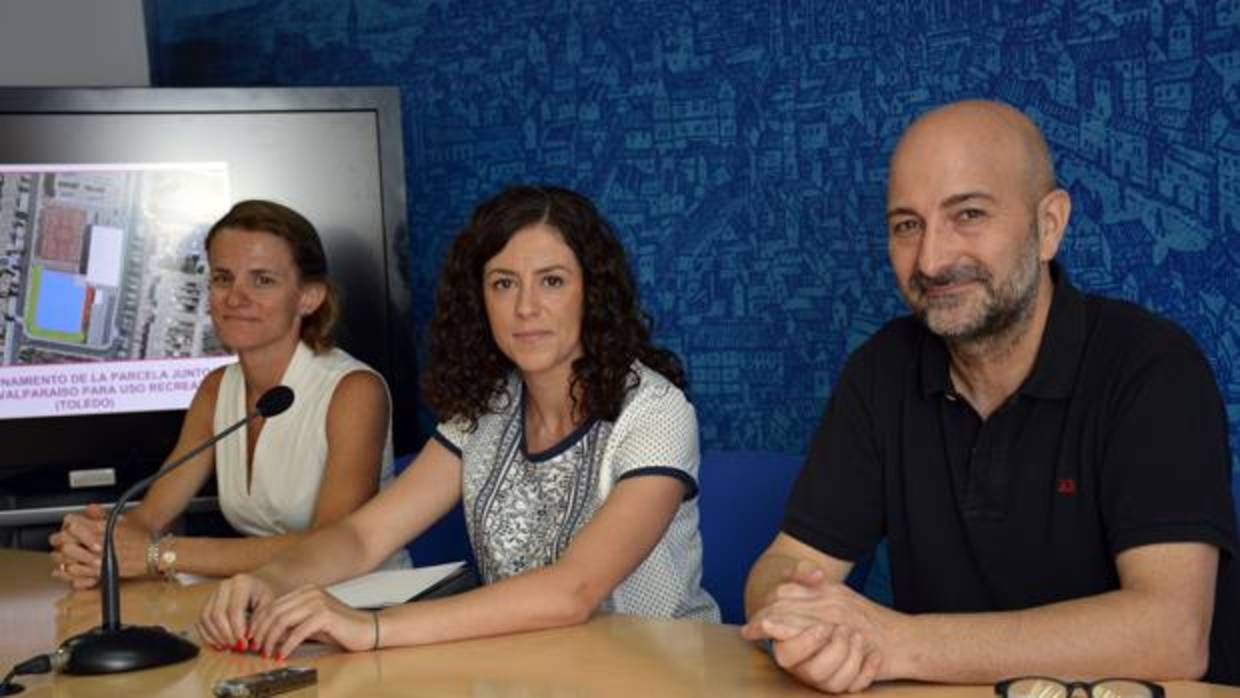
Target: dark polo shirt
1118,438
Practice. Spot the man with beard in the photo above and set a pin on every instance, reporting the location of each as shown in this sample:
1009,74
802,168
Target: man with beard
1050,469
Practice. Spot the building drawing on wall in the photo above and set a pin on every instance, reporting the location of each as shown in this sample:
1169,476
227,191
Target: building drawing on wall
740,149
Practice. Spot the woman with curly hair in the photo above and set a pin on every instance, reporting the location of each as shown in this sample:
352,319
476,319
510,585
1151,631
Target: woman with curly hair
563,430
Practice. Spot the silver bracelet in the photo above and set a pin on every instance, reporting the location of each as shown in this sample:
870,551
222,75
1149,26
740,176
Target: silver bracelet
152,556
375,617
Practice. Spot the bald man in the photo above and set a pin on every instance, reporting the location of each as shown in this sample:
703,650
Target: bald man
1050,469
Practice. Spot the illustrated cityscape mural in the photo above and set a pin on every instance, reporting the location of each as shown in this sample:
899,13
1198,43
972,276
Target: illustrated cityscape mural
740,148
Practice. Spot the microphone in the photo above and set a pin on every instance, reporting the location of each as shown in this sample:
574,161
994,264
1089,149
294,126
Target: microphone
113,647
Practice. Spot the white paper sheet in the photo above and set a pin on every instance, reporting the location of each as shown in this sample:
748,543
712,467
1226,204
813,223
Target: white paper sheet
390,587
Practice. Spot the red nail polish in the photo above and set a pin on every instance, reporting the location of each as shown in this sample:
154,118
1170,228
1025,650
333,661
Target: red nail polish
240,646
280,657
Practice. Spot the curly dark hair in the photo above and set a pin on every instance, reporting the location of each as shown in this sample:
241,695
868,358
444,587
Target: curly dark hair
466,370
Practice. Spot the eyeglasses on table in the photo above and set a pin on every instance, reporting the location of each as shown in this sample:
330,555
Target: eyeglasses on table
1047,687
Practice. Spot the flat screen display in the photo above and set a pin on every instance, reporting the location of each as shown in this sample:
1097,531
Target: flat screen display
105,199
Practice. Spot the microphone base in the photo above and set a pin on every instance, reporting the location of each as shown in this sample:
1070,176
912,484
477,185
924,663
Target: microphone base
129,648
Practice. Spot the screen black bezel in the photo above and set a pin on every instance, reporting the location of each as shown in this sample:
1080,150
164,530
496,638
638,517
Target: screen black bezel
36,453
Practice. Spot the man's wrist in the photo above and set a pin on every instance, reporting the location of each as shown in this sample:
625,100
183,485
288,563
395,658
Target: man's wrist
902,657
771,570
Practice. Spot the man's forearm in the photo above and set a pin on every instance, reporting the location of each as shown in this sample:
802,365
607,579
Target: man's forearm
1121,633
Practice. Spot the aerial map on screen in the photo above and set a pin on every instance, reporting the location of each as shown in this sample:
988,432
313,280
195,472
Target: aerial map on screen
103,304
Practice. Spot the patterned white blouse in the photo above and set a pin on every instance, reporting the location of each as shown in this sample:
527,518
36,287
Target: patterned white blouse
523,509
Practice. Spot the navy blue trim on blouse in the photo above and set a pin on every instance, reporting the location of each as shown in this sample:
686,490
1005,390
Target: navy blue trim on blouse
443,440
691,488
564,444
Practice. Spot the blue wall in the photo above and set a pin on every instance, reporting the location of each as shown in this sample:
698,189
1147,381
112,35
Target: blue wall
740,147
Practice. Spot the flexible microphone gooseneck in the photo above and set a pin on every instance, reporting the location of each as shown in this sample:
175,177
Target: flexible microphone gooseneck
113,647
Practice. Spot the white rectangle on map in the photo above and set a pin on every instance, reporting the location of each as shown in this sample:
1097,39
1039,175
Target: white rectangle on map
106,256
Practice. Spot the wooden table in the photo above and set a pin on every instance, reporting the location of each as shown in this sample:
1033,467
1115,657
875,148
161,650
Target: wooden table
609,656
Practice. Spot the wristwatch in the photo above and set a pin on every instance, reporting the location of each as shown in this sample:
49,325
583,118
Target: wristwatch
167,557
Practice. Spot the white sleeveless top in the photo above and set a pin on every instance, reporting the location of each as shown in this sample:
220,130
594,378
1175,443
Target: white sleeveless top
291,452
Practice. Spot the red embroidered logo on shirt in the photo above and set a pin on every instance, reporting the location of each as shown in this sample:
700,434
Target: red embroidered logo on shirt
1066,485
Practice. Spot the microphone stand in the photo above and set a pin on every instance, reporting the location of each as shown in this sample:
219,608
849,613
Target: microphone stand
113,647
